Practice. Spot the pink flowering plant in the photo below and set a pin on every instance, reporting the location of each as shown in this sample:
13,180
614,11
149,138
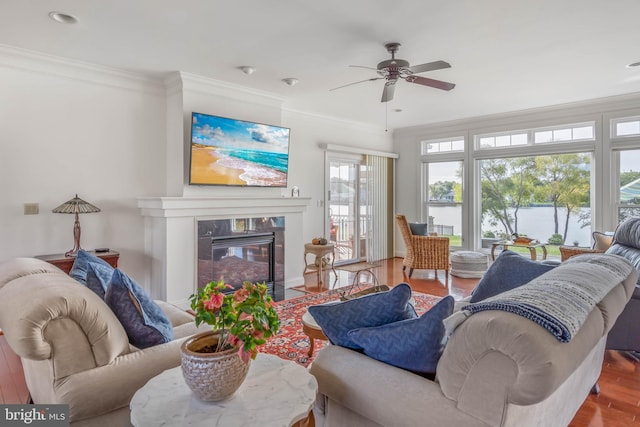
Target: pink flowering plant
246,318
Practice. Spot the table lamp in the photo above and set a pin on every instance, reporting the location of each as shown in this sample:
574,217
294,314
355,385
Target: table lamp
75,206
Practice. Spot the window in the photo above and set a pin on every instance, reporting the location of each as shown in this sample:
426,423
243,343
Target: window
629,180
557,134
443,146
629,126
543,197
506,140
564,134
444,200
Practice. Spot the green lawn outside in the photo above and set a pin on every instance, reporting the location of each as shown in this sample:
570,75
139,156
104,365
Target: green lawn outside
552,250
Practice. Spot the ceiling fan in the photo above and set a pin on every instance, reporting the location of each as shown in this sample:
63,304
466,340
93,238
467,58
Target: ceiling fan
393,69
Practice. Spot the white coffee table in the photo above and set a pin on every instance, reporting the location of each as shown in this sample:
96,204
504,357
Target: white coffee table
276,392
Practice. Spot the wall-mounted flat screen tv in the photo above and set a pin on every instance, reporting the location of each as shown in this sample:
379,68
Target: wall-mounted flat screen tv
234,152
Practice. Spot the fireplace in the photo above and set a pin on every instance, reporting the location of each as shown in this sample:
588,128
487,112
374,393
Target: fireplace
242,249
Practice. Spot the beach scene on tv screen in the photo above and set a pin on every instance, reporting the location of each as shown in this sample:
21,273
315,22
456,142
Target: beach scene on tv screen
234,152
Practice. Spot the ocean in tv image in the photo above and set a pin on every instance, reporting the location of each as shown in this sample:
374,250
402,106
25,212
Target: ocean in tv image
234,152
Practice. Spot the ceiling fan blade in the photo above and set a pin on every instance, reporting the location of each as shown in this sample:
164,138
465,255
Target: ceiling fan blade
355,83
362,66
429,66
387,92
438,84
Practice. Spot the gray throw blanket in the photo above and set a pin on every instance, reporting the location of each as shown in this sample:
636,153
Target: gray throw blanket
561,299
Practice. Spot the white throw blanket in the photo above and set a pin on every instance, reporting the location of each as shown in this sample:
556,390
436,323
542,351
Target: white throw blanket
559,300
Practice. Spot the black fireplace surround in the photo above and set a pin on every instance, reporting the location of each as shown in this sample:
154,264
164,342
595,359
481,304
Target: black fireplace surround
239,250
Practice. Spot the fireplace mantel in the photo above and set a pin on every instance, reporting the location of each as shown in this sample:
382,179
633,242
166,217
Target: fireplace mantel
198,206
171,236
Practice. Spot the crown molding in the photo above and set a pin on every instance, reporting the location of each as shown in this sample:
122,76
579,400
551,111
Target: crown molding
45,64
203,85
347,124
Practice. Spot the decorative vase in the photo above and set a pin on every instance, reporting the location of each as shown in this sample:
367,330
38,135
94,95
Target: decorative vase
212,376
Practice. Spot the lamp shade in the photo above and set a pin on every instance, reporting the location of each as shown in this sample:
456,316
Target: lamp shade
76,206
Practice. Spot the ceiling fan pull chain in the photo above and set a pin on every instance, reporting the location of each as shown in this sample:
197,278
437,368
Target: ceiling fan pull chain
386,117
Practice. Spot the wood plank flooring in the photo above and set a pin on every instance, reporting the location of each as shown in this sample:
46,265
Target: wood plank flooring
618,403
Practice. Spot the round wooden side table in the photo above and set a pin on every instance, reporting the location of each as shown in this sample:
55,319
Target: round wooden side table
312,330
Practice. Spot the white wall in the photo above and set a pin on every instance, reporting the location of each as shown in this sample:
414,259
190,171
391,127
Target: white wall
67,128
111,136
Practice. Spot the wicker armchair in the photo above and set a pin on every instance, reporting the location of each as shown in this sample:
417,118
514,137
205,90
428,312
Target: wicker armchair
423,252
567,252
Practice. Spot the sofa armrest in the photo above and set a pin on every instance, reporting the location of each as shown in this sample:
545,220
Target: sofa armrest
383,393
110,387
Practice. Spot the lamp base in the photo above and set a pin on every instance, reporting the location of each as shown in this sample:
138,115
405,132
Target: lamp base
76,239
72,253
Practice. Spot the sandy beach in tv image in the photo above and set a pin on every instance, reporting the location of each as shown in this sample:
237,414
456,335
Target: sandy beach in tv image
234,152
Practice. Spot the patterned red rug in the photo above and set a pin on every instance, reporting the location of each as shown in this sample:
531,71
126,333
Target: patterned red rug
292,344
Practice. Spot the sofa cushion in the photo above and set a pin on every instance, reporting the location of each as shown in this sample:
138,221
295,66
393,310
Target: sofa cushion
336,320
98,278
419,229
145,323
507,272
79,268
413,344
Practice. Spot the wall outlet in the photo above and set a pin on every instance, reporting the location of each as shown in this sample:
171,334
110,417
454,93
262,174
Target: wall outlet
31,208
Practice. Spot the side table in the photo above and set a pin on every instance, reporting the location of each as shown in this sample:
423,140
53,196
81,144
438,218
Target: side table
323,254
276,392
65,263
13,388
532,249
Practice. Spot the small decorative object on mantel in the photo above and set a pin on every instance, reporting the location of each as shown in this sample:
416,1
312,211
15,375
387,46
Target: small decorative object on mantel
216,362
75,206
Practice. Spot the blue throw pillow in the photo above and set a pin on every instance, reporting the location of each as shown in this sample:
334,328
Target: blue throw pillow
419,229
507,272
79,268
415,344
145,323
336,320
98,278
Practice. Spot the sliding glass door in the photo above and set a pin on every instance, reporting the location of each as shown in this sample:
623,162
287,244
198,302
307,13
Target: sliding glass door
347,207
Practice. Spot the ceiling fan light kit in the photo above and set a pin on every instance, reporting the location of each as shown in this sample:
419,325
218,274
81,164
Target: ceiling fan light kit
394,69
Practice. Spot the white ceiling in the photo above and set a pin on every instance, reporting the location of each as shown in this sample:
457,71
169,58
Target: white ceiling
506,55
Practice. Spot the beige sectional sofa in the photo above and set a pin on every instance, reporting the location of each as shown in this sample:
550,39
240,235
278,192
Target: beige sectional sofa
73,348
497,369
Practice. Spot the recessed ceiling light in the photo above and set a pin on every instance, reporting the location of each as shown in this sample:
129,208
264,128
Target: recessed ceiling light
290,81
247,69
633,64
63,18
398,110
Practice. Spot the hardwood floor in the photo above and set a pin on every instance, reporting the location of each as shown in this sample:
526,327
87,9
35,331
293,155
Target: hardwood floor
618,403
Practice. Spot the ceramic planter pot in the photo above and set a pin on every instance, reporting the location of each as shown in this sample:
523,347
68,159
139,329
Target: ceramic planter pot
211,376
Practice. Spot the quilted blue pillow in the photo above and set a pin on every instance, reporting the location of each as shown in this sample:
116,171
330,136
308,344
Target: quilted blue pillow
415,344
145,323
79,268
98,278
507,272
336,320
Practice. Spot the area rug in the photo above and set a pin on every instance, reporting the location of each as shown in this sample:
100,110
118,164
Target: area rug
292,344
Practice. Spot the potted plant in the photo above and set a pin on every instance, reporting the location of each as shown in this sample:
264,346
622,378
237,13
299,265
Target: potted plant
214,363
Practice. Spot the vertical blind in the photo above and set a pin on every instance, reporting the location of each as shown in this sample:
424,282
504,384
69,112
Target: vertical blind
379,185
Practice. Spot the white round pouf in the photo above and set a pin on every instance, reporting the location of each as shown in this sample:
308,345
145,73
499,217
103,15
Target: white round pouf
468,264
